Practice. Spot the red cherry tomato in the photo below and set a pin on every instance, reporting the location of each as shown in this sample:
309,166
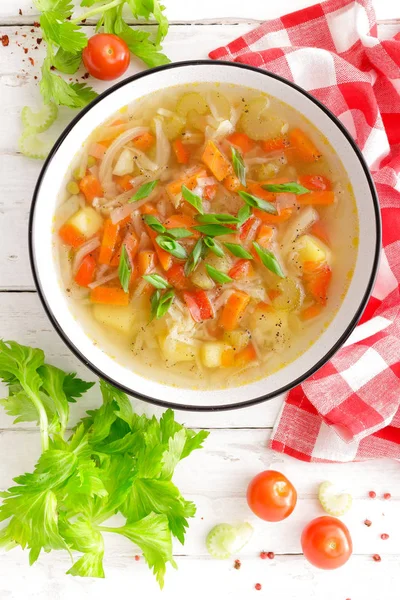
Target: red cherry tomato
106,56
326,543
271,496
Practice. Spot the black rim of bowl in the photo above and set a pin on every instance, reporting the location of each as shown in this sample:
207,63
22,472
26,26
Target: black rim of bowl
246,403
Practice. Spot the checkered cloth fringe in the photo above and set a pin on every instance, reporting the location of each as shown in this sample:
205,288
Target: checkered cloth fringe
349,410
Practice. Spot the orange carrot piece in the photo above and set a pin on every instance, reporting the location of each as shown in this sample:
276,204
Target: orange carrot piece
175,187
181,152
71,236
216,161
274,144
232,183
248,228
86,271
317,198
245,356
181,220
317,278
315,182
233,310
164,257
90,187
228,357
254,187
267,218
109,242
145,141
311,312
265,306
97,150
146,261
264,237
320,231
109,295
124,181
303,146
241,141
148,209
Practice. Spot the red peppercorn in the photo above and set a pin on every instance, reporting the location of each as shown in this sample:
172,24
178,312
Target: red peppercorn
377,558
372,494
137,557
258,586
237,564
387,496
263,555
384,536
271,555
367,522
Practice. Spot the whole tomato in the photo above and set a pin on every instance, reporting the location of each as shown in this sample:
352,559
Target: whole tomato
106,56
271,496
326,543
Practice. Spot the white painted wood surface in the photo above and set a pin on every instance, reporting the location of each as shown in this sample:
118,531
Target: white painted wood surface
216,477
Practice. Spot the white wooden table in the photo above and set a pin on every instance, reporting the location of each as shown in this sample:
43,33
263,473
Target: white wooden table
216,477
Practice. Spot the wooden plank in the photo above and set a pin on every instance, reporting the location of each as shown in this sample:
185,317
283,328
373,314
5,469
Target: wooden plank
287,577
178,11
216,478
24,320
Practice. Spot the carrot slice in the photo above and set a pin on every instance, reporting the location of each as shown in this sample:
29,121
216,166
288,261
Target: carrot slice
90,187
124,181
164,257
228,357
264,306
216,161
109,295
274,144
267,218
241,141
245,356
311,312
317,198
181,152
109,242
146,261
317,278
264,236
145,141
175,187
86,271
233,310
180,220
232,183
303,146
254,187
242,269
315,182
71,236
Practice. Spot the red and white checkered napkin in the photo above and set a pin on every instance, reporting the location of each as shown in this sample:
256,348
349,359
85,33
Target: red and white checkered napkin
349,410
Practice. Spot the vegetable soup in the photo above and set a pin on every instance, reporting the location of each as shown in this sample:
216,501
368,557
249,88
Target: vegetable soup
207,235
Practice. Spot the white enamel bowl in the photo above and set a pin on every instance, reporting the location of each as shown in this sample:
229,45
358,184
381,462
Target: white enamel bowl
52,178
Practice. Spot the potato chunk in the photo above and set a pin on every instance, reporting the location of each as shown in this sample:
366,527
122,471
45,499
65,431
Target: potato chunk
87,221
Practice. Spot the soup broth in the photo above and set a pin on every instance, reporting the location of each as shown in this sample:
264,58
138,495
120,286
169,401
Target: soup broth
207,235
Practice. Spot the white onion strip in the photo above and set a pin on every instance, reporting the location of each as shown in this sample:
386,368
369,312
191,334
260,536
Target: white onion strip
83,251
104,279
105,172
